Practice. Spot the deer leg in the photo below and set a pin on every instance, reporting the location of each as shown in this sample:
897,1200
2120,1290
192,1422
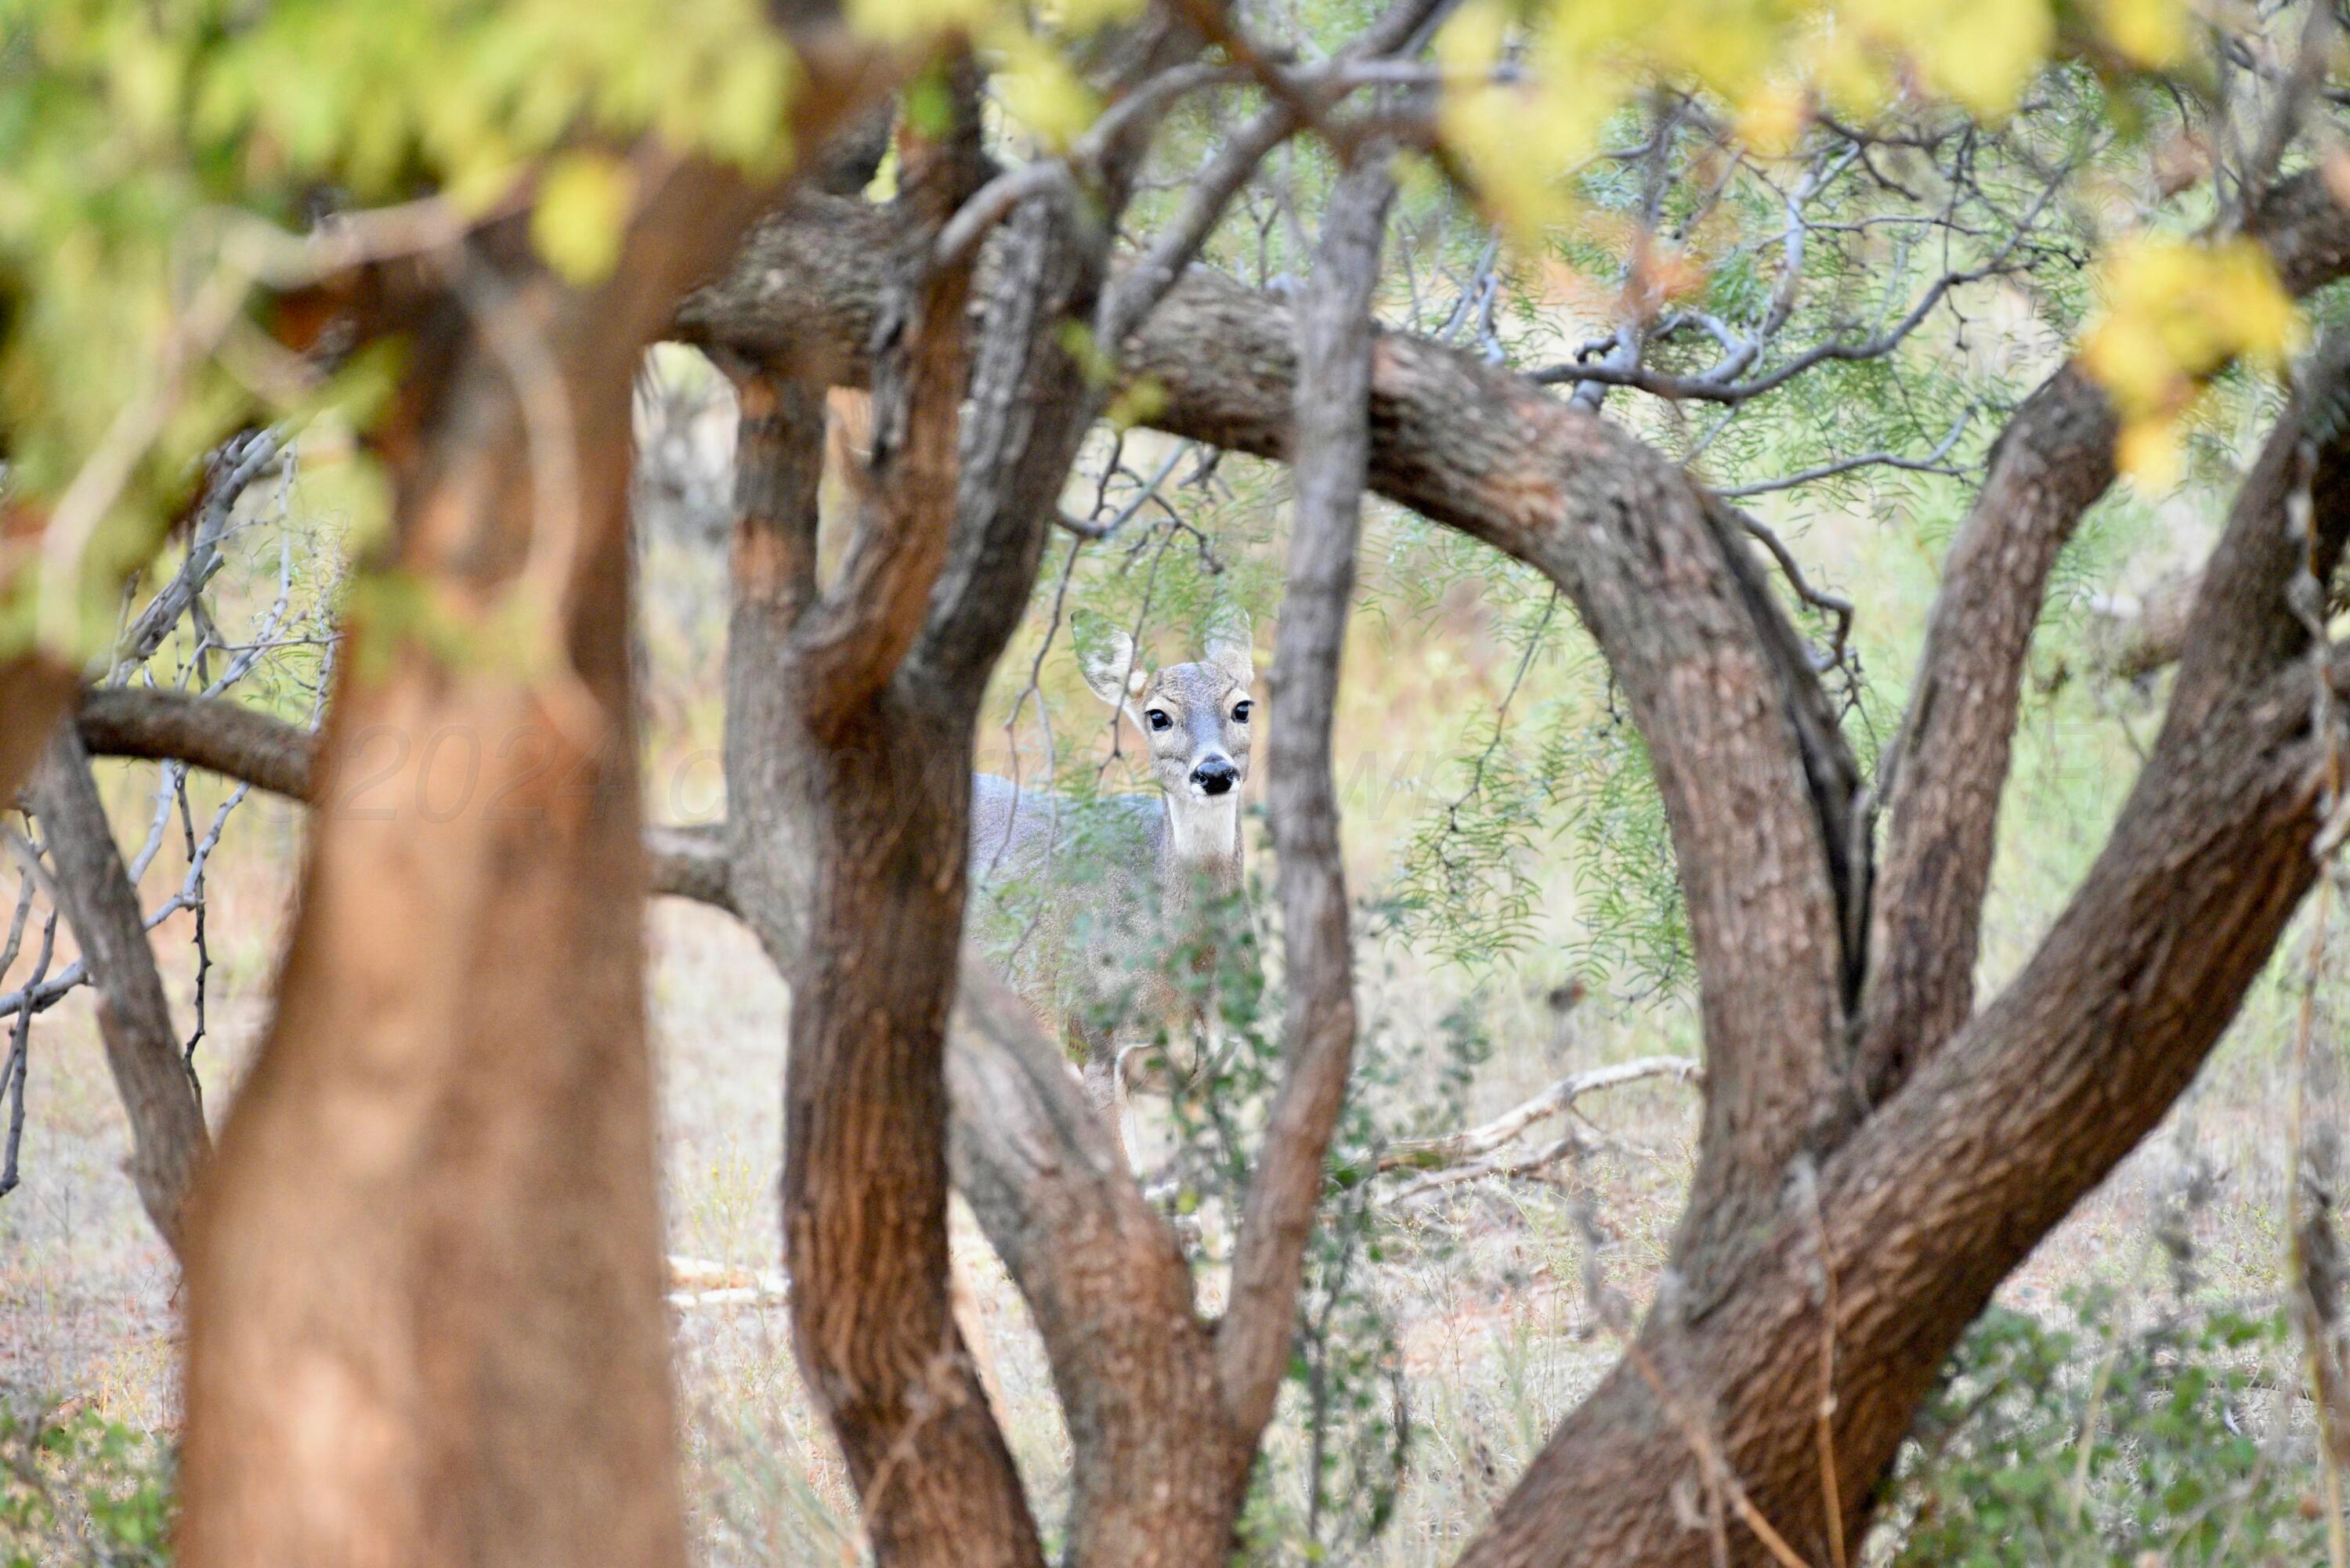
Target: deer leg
1104,1090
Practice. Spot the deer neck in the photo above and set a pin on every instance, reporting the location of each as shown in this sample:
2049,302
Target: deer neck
1203,841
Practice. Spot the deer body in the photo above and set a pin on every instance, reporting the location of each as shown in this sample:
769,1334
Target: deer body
1115,886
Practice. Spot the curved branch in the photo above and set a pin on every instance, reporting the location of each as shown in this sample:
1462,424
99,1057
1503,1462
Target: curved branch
1936,1197
1133,1365
210,732
1930,1201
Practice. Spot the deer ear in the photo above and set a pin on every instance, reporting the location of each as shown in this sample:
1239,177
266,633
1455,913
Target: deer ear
1105,657
1228,643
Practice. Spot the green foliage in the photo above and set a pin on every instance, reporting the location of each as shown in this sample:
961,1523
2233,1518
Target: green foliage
2093,1445
83,1490
1336,1461
157,159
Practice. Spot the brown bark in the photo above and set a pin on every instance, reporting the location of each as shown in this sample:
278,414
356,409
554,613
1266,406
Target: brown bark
1757,785
1944,774
1159,1468
864,776
2264,586
35,692
847,854
1943,1191
213,734
167,1144
1993,1140
1918,1213
425,1319
1333,439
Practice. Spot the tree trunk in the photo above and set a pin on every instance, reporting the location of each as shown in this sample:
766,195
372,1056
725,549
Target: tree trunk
425,1317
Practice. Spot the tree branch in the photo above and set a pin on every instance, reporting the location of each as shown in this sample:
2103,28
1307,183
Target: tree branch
1934,1198
1986,1147
213,734
2263,587
2133,637
691,863
142,1048
1942,778
1332,445
1099,1270
851,641
1451,1149
1108,1288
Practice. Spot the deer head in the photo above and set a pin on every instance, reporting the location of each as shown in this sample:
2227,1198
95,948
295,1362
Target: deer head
1195,718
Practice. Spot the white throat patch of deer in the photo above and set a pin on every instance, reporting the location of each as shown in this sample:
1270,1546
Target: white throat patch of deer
1108,912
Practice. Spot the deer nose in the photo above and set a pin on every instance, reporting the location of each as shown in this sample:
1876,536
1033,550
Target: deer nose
1215,776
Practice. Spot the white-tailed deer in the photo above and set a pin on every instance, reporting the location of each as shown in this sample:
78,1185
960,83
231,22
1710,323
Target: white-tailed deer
1115,885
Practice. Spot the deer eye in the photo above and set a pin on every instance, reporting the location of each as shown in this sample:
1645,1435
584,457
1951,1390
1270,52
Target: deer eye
1241,710
1158,719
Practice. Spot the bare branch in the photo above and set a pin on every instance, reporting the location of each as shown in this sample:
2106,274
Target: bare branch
1140,288
1333,439
1932,462
1452,1148
142,1048
233,471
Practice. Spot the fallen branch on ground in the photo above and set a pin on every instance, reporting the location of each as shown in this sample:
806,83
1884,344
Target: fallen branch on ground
1476,1152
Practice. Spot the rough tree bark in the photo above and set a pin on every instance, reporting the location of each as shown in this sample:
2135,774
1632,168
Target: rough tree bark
1335,337
1991,1141
1943,774
871,776
425,1285
1756,781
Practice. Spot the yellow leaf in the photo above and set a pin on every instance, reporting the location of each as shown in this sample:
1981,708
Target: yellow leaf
2148,450
581,215
1037,88
2175,312
2150,33
1080,17
1772,117
902,21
